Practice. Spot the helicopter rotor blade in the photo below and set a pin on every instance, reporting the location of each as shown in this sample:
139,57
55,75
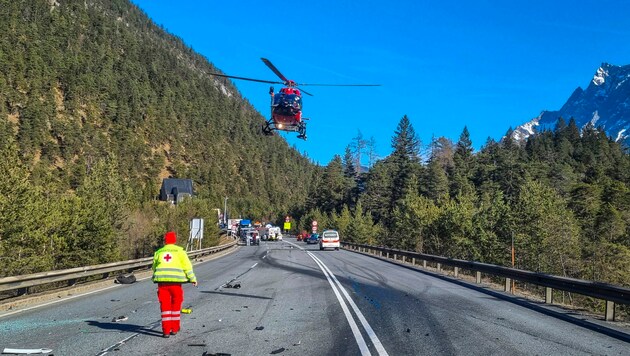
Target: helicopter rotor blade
305,92
244,78
275,70
340,85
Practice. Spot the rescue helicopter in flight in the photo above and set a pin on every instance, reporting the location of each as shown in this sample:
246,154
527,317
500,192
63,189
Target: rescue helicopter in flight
286,104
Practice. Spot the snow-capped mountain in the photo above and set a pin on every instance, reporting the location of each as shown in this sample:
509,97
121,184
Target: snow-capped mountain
605,103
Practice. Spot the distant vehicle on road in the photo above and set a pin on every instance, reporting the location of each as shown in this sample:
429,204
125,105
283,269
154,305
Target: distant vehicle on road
254,237
250,234
329,239
302,236
313,239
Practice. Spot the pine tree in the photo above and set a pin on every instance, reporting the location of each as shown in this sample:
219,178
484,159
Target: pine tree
405,160
377,195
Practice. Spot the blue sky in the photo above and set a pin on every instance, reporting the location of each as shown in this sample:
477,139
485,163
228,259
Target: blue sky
487,65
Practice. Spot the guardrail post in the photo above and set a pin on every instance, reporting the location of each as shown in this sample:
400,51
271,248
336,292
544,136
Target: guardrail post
424,263
413,261
478,277
508,284
380,253
387,254
439,267
548,295
456,272
395,257
610,311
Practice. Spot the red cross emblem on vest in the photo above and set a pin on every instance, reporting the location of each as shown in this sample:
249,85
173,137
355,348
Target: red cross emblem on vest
168,257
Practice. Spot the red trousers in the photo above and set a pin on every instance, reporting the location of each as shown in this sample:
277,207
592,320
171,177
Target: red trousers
171,297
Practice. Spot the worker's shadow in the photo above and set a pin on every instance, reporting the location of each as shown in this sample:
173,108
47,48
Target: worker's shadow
140,329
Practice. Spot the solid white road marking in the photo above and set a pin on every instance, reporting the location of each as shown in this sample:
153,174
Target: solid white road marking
353,325
368,329
366,326
255,264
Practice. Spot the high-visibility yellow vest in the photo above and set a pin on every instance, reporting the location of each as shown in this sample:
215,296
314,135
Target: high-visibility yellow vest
171,264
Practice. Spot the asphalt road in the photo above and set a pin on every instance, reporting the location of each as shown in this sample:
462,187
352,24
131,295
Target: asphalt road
297,300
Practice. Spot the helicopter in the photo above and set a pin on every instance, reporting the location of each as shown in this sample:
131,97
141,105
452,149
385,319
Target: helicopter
286,104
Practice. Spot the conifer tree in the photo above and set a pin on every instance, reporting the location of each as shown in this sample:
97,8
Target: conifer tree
405,160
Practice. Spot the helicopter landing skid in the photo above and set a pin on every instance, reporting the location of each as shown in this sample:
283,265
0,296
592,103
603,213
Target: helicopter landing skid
269,127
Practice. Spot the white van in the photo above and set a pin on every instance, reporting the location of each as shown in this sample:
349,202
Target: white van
329,239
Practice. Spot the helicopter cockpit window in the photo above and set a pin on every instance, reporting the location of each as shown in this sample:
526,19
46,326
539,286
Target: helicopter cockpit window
288,100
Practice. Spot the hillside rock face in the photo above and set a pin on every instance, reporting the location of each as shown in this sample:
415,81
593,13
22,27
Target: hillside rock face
605,103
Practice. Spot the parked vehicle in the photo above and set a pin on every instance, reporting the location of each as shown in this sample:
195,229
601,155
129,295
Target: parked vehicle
274,233
329,239
313,239
254,237
302,236
251,235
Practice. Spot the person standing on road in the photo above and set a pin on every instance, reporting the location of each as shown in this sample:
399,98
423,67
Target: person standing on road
171,268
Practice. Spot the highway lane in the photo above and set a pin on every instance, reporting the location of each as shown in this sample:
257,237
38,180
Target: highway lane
417,314
292,297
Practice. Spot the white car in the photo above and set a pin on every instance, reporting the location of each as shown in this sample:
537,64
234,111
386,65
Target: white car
329,239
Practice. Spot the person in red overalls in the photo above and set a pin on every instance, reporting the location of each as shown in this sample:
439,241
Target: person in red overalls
171,268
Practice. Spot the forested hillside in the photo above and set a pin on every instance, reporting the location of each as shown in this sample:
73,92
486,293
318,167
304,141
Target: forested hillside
97,106
563,198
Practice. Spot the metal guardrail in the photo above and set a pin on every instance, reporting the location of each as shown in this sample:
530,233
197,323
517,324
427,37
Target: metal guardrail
610,293
35,279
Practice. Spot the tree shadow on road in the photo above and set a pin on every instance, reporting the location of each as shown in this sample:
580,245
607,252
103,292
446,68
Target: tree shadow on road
140,329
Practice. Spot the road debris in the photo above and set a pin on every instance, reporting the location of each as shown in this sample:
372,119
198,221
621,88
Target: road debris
280,350
25,351
234,284
259,328
198,344
298,343
125,279
119,319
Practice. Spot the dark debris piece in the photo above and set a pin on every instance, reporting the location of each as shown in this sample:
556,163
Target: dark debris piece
125,279
235,285
259,328
280,350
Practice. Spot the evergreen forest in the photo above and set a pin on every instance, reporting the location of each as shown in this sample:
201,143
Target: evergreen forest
98,105
562,199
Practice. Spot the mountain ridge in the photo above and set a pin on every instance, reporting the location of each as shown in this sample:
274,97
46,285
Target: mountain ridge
604,103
